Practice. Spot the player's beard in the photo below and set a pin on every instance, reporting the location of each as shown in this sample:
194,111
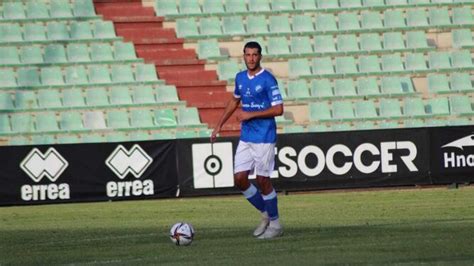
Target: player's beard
256,66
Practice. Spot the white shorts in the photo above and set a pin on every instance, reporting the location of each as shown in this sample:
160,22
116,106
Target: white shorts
258,158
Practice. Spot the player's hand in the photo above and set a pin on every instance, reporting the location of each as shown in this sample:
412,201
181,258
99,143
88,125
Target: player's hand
214,134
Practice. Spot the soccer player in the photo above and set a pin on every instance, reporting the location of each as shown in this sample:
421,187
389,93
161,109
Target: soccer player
257,90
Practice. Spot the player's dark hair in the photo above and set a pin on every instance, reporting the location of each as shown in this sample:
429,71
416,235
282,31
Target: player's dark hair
253,45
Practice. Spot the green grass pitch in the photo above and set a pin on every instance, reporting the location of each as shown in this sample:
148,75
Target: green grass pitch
431,226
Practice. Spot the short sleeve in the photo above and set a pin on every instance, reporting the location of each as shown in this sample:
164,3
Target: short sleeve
236,88
274,92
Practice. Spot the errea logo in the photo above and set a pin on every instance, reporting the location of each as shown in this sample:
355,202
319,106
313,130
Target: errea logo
38,165
124,162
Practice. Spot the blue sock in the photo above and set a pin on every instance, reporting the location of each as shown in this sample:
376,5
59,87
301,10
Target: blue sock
254,197
271,205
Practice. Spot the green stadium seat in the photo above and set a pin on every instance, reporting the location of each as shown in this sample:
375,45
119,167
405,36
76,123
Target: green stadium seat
94,120
325,23
83,8
437,106
233,6
341,127
322,66
31,55
143,95
298,89
77,53
350,3
342,110
55,54
302,23
191,8
101,52
124,51
257,25
298,67
165,118
6,102
25,100
460,105
210,27
305,5
301,45
22,123
439,60
188,116
462,16
318,128
367,87
294,129
416,40
49,99
212,7
413,123
346,65
68,139
141,118
413,107
5,124
166,7
416,62
438,83
393,41
364,125
393,19
166,94
60,9
8,78
462,38
439,17
117,119
279,24
373,3
117,137
145,73
327,4
99,74
227,70
369,64
344,88
46,122
461,82
319,111
390,108
419,2
120,96
57,31
34,32
392,63
256,6
122,73
10,33
103,30
233,25
396,86
97,97
417,18
36,10
73,98
281,5
396,3
462,59
81,30
370,42
347,43
13,10
371,20
278,46
324,44
186,27
348,21
9,55
28,77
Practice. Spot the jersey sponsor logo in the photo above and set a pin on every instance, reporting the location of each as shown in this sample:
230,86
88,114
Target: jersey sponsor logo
460,153
213,165
38,165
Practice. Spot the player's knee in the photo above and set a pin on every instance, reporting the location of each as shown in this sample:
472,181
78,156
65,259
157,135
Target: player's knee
241,181
265,184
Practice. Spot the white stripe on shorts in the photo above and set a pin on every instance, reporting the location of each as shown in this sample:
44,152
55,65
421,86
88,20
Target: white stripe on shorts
258,158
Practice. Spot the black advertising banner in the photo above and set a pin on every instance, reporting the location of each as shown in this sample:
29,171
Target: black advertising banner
452,154
314,161
87,172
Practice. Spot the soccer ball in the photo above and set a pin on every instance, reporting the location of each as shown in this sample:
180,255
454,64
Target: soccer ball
182,234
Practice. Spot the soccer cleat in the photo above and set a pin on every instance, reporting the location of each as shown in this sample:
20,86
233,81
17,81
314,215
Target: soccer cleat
271,233
261,227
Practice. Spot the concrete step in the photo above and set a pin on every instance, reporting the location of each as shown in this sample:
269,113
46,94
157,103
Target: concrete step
205,98
167,54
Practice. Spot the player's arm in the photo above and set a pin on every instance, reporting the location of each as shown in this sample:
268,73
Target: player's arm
273,111
229,110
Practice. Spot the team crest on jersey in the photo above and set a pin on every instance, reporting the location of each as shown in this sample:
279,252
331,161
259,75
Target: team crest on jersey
258,88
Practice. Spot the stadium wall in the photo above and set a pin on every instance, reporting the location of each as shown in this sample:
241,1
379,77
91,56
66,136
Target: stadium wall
191,167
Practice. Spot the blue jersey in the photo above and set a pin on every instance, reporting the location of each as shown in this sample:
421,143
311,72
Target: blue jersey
257,93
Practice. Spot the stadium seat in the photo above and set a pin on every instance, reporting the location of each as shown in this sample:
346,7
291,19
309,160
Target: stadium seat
36,10
9,55
462,16
460,105
165,118
145,73
438,83
350,3
346,65
257,25
31,55
439,60
191,8
34,32
117,119
305,5
281,5
60,9
141,118
348,21
54,54
120,96
124,51
5,124
390,108
81,30
209,49
279,24
373,3
49,99
298,89
370,42
122,73
103,30
166,7
46,122
166,94
324,44
416,40
94,120
325,22
413,107
73,98
371,20
416,62
233,25
393,19
6,101
369,64
227,70
393,41
298,67
188,116
302,23
10,33
99,74
367,87
25,100
186,27
101,52
392,63
461,82
437,106
212,7
301,45
322,66
342,110
259,6
83,8
319,111
233,6
396,86
278,46
347,43
8,78
344,88
28,77
462,59
439,17
13,10
462,38
327,4
97,97
22,123
57,31
417,18
77,53
143,95
210,27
